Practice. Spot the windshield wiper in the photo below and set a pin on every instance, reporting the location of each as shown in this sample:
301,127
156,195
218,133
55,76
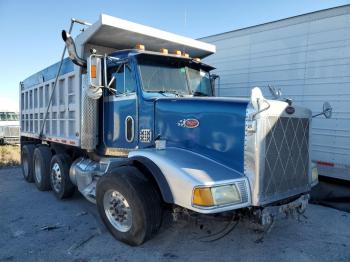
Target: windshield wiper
198,93
163,92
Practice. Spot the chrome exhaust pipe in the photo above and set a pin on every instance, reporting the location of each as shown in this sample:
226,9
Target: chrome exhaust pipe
72,51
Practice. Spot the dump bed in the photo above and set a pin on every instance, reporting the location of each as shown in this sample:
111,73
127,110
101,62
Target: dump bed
107,35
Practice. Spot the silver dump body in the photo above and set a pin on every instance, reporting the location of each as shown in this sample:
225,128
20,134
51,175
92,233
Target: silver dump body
72,117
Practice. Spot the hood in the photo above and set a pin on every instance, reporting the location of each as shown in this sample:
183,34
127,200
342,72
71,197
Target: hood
212,127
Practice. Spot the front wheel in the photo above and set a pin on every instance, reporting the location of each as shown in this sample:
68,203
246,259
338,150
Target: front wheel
129,205
59,176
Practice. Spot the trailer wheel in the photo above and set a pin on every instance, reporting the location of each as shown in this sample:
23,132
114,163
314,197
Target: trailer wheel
59,176
42,158
129,205
27,154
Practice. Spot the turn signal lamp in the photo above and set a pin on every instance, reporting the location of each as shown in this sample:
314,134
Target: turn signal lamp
202,197
93,71
140,46
164,51
177,52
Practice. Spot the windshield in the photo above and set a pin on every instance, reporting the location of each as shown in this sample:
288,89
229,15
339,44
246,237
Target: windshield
8,116
176,77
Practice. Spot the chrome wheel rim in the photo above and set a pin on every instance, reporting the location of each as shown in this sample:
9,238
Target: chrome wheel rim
37,170
117,210
56,177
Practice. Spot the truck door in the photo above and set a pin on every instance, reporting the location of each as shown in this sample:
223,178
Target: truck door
120,110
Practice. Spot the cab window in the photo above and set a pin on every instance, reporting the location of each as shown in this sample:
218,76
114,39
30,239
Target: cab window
124,81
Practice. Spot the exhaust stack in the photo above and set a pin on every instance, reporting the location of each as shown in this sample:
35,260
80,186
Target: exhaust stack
72,51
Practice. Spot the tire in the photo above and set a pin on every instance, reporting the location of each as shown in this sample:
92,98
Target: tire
42,159
142,202
59,176
27,154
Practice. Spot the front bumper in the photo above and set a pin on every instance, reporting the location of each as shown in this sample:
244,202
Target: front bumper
268,214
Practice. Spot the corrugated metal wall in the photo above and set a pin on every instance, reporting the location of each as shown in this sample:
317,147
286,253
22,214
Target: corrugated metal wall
308,57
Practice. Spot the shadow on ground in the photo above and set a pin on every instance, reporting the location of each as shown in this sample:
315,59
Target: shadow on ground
35,226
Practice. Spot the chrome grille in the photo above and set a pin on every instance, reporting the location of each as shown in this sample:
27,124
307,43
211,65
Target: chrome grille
286,157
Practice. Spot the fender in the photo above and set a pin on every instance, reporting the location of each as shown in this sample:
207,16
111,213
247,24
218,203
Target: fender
158,176
179,171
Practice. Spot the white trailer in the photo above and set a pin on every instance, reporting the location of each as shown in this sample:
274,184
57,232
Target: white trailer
9,127
308,57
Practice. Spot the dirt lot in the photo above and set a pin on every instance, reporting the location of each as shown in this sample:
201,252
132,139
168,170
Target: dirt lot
9,155
35,226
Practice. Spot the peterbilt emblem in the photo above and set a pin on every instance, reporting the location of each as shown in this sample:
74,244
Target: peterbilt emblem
188,123
290,110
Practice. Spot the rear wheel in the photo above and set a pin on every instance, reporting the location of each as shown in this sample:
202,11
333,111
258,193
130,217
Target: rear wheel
129,205
59,176
42,158
27,162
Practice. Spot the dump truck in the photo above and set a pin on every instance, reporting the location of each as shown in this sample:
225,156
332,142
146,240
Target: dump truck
131,120
9,127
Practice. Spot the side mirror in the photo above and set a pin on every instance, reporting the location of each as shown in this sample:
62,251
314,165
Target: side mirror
327,111
213,78
94,71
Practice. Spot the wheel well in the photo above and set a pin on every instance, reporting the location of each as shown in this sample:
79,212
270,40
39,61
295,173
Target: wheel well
155,176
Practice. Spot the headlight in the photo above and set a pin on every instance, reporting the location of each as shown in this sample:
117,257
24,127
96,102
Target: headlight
314,175
216,196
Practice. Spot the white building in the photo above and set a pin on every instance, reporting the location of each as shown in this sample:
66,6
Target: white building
308,57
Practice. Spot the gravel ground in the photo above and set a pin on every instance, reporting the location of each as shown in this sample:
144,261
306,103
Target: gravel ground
35,226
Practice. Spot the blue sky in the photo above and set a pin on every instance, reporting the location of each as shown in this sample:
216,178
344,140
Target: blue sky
30,30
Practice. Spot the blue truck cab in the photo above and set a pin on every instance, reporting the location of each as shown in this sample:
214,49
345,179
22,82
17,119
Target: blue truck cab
151,134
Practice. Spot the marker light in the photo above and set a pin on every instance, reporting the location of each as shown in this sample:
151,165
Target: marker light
140,46
202,197
197,59
164,51
185,54
93,71
177,52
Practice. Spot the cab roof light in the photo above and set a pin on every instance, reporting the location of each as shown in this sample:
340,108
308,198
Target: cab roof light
177,52
140,46
185,55
164,51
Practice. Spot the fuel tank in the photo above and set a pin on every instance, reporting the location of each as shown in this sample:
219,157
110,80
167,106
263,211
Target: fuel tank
212,127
